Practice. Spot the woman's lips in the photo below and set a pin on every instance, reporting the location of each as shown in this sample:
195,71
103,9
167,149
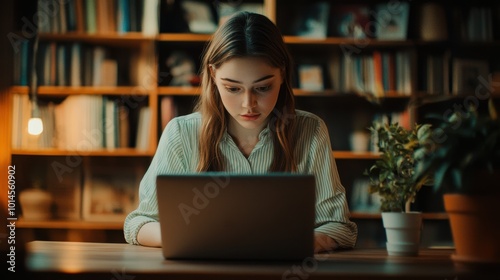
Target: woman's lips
250,117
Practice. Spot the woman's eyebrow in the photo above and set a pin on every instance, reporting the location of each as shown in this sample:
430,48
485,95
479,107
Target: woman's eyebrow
256,81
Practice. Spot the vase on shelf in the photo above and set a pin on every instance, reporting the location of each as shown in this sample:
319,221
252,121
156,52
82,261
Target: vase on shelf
36,204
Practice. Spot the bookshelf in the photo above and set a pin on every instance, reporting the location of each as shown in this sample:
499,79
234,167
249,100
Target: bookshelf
345,103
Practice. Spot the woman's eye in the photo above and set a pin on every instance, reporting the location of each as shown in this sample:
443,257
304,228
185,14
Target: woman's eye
232,89
263,89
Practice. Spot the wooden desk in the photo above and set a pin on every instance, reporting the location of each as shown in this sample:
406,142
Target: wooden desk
83,260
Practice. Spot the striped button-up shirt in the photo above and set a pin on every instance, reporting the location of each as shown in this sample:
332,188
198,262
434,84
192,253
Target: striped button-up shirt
177,152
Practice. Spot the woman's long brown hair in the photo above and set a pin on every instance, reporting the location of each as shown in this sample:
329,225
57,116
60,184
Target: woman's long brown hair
246,35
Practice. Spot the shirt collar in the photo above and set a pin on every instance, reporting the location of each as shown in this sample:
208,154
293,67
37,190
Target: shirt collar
264,134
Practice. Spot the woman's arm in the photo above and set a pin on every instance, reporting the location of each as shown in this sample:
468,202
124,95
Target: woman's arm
332,212
141,225
150,235
324,243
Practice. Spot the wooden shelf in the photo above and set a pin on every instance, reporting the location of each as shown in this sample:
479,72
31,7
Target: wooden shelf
125,152
187,90
131,38
65,90
425,216
355,155
183,37
436,98
62,224
165,90
177,90
297,40
137,153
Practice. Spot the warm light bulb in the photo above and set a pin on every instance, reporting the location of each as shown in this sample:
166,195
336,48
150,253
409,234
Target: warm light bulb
35,126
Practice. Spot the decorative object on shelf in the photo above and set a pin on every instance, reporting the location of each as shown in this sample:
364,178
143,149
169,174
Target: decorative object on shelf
311,77
199,16
360,141
463,154
110,193
392,178
36,203
349,21
467,74
313,21
181,69
225,10
391,20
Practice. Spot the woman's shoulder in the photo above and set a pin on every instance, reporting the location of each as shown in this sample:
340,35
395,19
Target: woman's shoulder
308,118
192,120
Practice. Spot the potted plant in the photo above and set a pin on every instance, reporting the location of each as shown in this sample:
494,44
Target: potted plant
392,177
463,153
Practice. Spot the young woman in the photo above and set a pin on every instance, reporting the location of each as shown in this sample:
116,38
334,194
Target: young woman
246,122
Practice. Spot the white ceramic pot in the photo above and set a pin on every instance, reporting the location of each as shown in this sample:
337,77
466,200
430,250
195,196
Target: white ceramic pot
36,204
403,232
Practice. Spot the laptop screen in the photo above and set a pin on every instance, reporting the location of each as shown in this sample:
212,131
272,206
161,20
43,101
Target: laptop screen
237,217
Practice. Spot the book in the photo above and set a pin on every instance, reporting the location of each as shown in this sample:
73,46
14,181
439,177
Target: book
79,123
112,16
109,123
22,73
123,16
378,72
143,129
62,66
99,55
168,110
91,16
61,17
70,10
102,16
75,65
80,16
109,73
150,17
124,127
134,18
17,120
87,56
432,25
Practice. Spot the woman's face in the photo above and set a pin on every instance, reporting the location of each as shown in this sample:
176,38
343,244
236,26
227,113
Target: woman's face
249,89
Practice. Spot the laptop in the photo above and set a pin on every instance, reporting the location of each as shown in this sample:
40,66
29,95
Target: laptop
221,216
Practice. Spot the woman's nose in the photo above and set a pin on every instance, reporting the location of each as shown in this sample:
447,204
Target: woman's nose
249,100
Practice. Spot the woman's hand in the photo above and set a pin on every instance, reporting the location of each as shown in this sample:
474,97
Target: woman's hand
150,235
323,243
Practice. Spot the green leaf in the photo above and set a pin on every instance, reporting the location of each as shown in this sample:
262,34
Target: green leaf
440,174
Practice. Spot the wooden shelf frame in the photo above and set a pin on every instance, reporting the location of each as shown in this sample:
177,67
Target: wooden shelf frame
371,216
90,90
119,152
79,224
66,224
